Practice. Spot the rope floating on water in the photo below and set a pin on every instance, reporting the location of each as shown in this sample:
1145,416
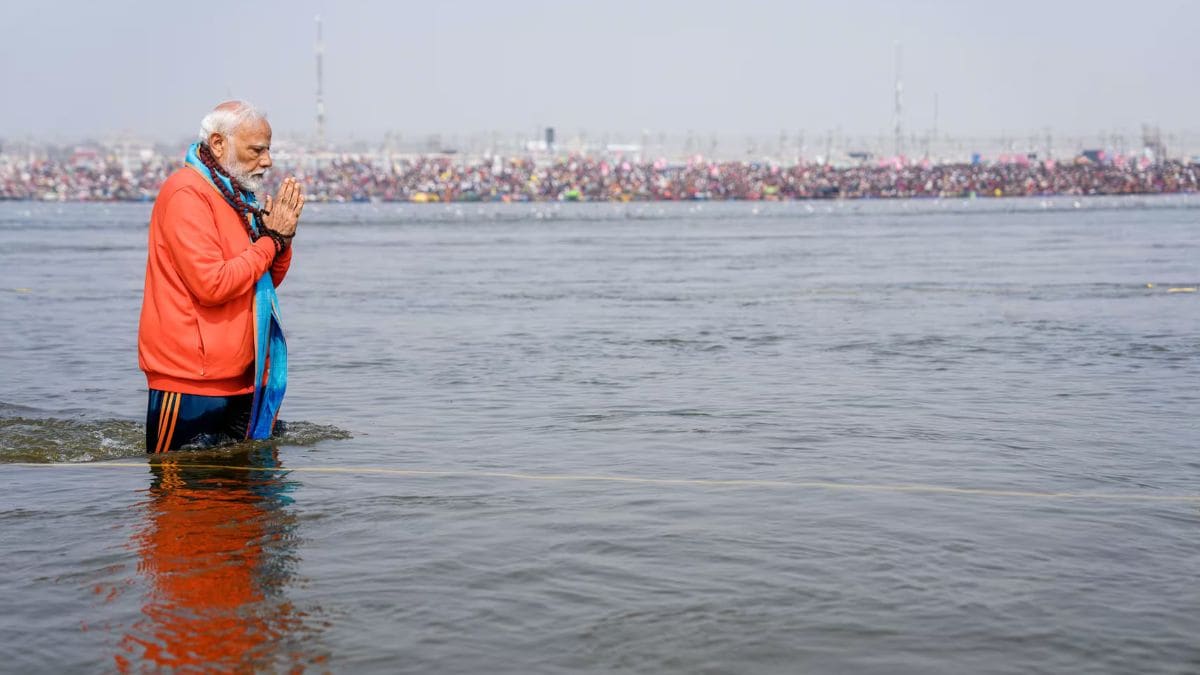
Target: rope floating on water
699,482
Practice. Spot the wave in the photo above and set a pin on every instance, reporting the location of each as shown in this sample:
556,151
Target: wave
28,438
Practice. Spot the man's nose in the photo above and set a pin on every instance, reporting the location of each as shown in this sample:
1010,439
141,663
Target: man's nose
264,160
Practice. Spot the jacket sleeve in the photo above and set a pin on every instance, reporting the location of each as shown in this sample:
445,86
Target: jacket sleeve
191,239
279,268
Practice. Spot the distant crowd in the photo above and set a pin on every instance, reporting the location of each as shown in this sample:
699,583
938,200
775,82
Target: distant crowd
442,178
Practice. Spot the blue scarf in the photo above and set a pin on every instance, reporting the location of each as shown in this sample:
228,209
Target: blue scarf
270,348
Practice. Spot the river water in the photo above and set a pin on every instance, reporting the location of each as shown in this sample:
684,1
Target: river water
831,437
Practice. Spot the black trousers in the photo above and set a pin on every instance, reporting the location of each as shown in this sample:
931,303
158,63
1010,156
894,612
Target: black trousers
175,420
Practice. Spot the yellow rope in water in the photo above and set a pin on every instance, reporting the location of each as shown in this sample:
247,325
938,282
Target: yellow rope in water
701,482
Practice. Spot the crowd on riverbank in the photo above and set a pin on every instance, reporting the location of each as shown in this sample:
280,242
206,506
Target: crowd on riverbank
442,178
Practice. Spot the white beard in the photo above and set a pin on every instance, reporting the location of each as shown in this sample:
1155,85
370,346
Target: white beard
251,182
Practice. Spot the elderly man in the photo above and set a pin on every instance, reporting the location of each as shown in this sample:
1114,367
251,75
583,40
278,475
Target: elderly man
209,339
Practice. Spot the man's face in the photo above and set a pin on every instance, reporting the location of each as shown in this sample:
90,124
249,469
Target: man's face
246,153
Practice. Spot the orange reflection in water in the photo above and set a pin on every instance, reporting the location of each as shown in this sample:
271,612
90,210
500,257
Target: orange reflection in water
218,551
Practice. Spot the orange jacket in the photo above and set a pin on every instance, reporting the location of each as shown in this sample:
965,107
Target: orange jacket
196,334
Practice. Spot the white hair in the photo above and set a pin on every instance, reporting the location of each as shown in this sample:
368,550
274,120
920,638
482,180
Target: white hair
225,119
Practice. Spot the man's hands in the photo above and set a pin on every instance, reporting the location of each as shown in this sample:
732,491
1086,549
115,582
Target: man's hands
285,209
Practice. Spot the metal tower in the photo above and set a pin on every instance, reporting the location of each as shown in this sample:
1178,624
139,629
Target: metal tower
899,106
320,50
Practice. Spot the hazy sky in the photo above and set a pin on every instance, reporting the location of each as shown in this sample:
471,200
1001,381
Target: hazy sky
71,69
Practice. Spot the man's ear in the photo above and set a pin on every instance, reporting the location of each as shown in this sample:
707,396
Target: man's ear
216,143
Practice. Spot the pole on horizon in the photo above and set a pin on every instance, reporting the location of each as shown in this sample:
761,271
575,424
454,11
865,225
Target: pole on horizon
320,53
931,135
899,130
934,133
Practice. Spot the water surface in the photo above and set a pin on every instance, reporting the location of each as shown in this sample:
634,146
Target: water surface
762,381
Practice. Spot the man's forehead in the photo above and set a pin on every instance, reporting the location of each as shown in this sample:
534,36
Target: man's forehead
254,130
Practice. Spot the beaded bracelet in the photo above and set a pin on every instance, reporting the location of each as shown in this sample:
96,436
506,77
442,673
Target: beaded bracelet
280,240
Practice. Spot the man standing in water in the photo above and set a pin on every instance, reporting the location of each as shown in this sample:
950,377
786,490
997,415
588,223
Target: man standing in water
209,339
